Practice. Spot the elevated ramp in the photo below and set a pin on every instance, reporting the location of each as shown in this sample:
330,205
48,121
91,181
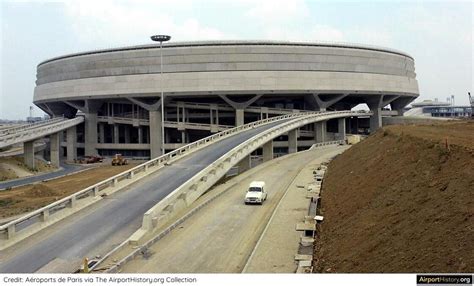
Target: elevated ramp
30,132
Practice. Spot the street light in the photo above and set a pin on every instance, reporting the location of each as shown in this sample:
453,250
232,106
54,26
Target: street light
161,39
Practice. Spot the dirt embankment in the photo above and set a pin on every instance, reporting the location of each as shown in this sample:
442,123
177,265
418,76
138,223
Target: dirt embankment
14,167
400,201
28,198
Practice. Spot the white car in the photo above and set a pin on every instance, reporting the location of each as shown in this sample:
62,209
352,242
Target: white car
256,193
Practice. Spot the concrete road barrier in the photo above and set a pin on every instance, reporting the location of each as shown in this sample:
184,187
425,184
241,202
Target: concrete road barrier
35,221
187,193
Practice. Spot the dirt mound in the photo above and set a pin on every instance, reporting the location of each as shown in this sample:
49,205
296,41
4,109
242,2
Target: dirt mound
399,202
39,191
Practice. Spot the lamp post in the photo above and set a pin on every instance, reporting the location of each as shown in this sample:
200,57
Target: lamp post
161,39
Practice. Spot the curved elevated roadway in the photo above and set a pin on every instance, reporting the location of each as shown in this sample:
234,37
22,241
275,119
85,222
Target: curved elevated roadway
98,228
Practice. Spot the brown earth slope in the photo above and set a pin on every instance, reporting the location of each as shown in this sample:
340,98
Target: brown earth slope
401,202
31,197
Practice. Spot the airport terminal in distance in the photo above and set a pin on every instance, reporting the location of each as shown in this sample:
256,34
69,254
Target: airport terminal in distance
215,85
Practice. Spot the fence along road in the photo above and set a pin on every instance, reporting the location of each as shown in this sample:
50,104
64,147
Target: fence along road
97,229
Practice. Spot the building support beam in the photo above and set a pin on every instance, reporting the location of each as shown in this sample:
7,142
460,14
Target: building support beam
126,133
239,117
29,154
267,151
71,144
244,164
320,131
399,103
140,134
90,108
155,133
101,132
116,133
155,116
54,149
90,146
293,141
321,105
240,107
375,104
341,128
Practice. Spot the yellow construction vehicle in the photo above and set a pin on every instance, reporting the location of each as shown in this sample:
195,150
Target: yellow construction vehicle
118,160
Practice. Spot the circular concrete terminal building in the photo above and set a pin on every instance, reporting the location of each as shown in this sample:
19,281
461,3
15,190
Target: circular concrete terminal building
211,86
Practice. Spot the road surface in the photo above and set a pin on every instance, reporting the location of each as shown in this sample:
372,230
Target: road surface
221,236
98,228
65,169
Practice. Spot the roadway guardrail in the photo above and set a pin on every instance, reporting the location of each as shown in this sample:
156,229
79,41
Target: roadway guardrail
35,132
192,189
33,222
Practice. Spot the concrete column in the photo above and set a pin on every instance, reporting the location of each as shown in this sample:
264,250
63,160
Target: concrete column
375,119
61,140
341,128
267,151
140,134
54,149
244,164
90,140
349,125
320,131
239,117
71,137
101,132
116,134
155,133
127,133
183,136
29,154
293,141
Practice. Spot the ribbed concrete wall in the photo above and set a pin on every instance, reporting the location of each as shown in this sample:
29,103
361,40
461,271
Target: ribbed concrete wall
227,67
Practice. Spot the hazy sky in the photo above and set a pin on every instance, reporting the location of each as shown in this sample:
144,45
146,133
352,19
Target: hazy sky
437,34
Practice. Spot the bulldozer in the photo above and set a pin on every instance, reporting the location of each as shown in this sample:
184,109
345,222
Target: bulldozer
118,160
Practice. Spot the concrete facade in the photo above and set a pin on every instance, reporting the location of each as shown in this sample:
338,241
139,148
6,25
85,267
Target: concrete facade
218,84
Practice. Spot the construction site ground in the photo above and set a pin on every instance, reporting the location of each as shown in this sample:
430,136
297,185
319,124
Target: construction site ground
16,201
14,167
401,201
221,237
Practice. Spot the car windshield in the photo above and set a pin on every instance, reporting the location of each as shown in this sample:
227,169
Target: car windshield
255,189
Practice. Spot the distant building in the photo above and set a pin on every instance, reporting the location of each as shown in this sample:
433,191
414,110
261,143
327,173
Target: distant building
33,119
215,85
430,108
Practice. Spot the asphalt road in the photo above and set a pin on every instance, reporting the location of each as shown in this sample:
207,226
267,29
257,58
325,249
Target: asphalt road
220,237
65,169
97,229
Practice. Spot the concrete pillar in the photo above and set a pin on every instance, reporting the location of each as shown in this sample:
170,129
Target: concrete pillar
116,134
54,149
341,128
61,140
155,133
90,140
140,134
239,117
349,125
71,142
127,133
101,132
293,141
183,137
375,119
244,164
29,154
320,131
267,151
